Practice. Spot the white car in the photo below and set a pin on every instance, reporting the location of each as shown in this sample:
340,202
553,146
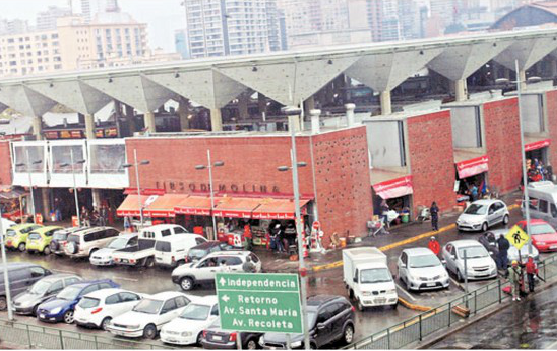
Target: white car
103,257
97,309
188,328
6,223
482,215
420,269
148,316
479,263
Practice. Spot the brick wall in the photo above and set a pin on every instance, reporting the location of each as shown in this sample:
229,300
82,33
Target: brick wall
551,99
431,159
502,138
5,163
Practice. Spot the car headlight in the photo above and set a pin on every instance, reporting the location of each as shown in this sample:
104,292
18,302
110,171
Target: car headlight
261,341
541,242
187,333
366,293
56,310
296,344
391,291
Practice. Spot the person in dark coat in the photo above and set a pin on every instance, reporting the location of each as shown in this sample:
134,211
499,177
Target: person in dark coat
434,211
502,258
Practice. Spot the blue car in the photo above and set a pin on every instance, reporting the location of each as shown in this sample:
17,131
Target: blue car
61,307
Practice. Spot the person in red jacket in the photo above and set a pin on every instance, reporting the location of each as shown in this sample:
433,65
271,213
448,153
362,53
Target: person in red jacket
434,245
531,270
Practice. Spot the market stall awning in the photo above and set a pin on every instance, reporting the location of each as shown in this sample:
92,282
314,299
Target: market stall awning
10,193
164,206
236,207
540,144
394,188
194,205
130,206
472,167
278,209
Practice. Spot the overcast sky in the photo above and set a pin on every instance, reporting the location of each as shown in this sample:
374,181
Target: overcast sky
162,16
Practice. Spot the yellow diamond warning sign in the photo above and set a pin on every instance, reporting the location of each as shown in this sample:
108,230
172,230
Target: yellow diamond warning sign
517,237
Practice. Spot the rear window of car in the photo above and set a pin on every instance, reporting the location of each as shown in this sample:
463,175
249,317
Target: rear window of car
10,232
60,235
89,302
27,230
73,238
541,229
34,236
254,258
163,246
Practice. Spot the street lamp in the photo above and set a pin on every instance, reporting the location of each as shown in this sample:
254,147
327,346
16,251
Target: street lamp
63,165
28,164
5,266
294,113
209,167
136,165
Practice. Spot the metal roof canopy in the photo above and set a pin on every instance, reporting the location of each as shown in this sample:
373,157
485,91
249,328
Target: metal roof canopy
527,51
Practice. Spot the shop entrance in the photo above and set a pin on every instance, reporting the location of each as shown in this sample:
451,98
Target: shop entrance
62,202
536,163
397,210
471,188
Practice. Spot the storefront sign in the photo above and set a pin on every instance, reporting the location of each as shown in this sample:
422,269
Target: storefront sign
148,192
472,167
537,145
182,186
394,188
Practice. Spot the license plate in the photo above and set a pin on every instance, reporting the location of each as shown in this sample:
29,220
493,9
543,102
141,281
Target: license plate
125,261
172,340
430,284
553,247
217,337
8,242
43,316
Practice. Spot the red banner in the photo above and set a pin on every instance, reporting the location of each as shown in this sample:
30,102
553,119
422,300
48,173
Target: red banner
146,192
394,188
537,145
472,167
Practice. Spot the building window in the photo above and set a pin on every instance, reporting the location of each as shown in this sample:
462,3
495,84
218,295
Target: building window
57,66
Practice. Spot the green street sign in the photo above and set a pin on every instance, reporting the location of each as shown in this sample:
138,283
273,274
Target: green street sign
259,302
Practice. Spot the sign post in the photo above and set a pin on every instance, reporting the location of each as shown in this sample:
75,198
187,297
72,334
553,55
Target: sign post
262,303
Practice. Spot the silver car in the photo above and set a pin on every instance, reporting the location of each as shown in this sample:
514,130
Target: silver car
479,263
482,215
420,269
103,257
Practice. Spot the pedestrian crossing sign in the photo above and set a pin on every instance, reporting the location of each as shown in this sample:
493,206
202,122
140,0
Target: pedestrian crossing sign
517,237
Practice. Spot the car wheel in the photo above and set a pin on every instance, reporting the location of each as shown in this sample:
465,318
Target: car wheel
312,346
395,306
348,334
186,284
47,251
35,310
180,263
199,337
149,262
459,276
484,227
92,252
105,322
251,344
68,317
3,303
21,247
506,220
150,332
360,306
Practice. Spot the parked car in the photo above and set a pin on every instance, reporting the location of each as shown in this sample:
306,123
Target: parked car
543,235
39,239
147,317
84,243
61,307
172,251
28,301
331,319
104,257
482,215
163,230
489,241
543,202
420,269
205,271
60,239
198,252
21,276
97,309
187,328
480,264
16,236
6,223
214,338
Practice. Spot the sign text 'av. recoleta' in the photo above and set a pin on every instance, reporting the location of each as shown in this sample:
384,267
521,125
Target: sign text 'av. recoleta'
259,302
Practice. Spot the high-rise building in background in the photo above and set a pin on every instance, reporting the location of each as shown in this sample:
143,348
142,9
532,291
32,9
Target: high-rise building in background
46,20
181,43
14,26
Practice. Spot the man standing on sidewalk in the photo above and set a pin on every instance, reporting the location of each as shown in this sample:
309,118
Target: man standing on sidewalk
531,271
514,280
434,211
503,246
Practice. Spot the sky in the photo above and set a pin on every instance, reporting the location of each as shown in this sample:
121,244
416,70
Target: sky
161,16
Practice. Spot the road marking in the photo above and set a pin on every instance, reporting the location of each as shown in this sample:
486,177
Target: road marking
128,279
61,271
406,293
457,284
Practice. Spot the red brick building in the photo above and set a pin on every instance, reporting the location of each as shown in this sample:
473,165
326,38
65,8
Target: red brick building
551,99
5,164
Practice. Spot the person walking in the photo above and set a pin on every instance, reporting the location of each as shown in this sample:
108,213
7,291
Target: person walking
514,279
248,237
85,217
502,255
434,245
531,271
434,211
248,266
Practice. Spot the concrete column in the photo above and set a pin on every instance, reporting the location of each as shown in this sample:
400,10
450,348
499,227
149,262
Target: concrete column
46,203
315,120
294,122
130,118
243,102
183,112
262,104
350,114
216,120
149,121
522,76
461,90
385,101
553,69
38,127
90,127
96,195
309,104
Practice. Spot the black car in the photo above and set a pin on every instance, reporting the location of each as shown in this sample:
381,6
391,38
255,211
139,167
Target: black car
331,319
214,338
21,277
198,252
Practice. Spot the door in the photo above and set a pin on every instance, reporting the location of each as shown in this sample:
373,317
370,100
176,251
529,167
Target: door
403,267
553,218
169,312
207,269
128,301
231,264
114,305
450,257
492,214
324,326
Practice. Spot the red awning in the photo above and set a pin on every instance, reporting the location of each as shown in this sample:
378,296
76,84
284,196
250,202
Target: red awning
278,209
394,188
164,206
130,206
472,167
194,205
537,145
236,207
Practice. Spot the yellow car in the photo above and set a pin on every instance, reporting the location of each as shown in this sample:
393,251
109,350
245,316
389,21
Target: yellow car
39,239
16,236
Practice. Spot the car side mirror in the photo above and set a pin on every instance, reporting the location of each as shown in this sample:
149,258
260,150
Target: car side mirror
443,262
355,279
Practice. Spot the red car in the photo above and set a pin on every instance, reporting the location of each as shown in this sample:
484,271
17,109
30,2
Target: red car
544,237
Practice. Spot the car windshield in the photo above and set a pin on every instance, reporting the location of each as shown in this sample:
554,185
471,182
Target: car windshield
196,253
10,232
89,302
60,236
424,261
34,236
148,306
69,293
196,312
162,246
476,209
541,229
118,243
473,252
39,288
376,275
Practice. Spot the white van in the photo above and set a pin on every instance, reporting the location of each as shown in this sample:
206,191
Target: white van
172,251
161,231
543,201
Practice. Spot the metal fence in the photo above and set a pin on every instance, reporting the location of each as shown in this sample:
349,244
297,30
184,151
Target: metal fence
417,328
22,335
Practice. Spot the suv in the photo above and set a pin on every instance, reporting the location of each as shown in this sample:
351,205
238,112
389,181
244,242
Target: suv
21,276
205,271
330,318
196,253
84,243
60,239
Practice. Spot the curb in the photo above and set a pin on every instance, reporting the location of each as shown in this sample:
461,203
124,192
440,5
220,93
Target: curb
413,306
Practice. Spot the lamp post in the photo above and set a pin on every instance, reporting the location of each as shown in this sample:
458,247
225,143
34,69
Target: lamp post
28,165
5,271
294,113
209,166
72,164
136,165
